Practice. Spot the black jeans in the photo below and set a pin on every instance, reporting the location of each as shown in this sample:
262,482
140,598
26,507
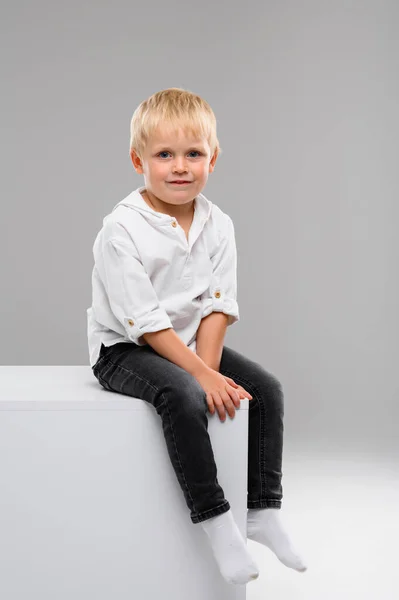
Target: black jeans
180,401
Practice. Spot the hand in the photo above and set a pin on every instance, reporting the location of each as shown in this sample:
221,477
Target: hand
220,395
242,392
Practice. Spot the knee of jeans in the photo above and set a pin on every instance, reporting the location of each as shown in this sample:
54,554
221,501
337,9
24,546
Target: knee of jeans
271,390
186,396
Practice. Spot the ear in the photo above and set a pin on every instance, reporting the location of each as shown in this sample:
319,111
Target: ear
138,165
213,161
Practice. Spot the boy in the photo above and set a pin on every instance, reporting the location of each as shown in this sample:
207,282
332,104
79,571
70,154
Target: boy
164,292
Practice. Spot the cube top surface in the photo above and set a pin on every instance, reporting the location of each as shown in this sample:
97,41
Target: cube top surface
64,387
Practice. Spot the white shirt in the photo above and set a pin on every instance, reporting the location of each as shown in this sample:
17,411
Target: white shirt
148,277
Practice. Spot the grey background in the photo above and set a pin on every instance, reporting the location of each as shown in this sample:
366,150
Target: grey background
306,99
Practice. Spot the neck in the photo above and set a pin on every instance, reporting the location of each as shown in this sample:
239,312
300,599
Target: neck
183,211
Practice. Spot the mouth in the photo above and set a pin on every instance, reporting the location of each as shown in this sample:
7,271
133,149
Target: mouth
179,182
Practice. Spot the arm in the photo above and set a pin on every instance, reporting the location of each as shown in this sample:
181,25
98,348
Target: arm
129,290
210,338
220,308
221,295
169,345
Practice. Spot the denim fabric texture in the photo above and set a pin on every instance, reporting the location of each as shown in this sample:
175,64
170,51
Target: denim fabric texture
180,401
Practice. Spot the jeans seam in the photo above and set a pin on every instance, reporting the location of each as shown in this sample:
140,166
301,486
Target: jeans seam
209,510
268,503
239,377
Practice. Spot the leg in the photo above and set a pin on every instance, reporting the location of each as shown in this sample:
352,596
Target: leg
265,448
181,403
266,428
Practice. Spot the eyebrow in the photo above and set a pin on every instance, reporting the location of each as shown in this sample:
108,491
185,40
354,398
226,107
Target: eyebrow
159,147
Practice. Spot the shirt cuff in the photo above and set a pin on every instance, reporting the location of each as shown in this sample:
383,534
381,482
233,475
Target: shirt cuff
156,320
218,302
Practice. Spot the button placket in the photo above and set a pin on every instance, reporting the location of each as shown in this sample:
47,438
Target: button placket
175,224
187,277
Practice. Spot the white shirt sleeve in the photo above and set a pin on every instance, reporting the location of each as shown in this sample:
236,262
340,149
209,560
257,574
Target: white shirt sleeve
221,295
130,292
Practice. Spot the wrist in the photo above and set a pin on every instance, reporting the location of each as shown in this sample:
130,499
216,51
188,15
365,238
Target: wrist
213,366
211,363
200,367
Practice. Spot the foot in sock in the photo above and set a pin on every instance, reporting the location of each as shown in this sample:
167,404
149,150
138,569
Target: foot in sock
264,526
230,549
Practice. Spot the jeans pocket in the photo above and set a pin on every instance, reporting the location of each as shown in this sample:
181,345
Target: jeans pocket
100,360
104,383
99,371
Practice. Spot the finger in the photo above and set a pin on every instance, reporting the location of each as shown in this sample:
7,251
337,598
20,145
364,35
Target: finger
240,392
219,406
237,401
210,404
246,394
235,395
231,381
227,400
239,388
243,396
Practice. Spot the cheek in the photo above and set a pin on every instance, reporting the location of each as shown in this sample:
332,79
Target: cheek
201,170
158,171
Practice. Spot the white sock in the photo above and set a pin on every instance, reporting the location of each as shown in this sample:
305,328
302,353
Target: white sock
230,549
264,526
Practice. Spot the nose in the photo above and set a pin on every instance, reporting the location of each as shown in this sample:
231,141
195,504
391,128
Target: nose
179,165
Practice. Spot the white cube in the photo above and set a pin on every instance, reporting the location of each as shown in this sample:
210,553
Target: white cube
90,506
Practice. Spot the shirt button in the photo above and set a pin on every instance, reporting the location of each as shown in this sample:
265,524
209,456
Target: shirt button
131,323
217,294
174,224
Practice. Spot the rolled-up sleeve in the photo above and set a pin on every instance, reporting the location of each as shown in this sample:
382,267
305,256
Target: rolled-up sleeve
221,295
130,292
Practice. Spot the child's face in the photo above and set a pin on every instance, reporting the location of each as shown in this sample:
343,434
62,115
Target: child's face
168,157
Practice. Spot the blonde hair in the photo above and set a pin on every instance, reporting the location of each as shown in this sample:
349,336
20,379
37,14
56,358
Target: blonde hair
176,108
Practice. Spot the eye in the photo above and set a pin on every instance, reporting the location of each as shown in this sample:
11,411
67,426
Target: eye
167,152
